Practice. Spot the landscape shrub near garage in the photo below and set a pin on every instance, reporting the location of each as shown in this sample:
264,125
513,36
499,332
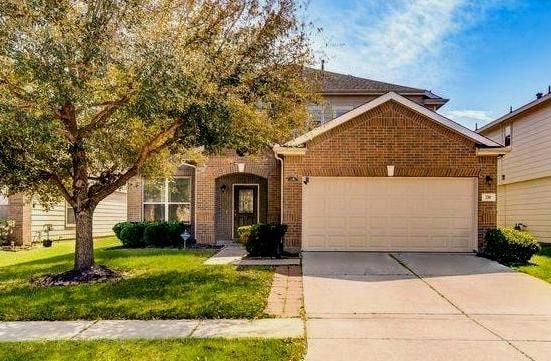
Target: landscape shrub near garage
153,234
263,240
509,246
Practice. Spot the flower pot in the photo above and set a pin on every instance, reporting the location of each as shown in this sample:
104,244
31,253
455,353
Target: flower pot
47,243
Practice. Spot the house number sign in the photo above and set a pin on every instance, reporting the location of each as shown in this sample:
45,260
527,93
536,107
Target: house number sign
488,197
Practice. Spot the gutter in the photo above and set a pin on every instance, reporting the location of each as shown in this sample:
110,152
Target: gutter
281,184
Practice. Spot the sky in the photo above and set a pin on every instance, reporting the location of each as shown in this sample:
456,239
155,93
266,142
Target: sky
483,55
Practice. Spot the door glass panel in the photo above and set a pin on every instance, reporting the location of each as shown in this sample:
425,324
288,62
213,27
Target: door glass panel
179,212
246,201
154,212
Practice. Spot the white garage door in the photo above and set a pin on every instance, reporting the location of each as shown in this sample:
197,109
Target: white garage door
389,214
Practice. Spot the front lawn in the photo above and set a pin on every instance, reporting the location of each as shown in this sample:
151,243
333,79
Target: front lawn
166,350
158,284
540,265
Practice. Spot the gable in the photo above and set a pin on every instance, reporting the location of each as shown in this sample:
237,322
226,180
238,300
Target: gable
391,96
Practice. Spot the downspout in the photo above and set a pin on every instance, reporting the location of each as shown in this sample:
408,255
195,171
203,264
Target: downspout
280,186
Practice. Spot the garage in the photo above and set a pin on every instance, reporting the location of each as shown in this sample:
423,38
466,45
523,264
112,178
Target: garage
389,214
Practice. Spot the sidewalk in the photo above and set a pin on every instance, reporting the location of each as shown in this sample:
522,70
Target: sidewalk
154,329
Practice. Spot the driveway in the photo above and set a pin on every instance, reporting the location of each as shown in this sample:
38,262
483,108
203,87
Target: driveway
378,306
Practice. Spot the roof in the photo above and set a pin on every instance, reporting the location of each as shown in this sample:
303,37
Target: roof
516,112
448,123
336,83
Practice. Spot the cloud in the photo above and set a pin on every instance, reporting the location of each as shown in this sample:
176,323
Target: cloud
470,118
396,40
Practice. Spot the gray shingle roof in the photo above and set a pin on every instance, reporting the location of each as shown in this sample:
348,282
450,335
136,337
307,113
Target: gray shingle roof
341,83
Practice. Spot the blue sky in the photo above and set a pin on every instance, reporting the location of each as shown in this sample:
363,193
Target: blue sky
483,55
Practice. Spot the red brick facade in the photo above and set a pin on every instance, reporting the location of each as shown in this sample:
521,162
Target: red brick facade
390,134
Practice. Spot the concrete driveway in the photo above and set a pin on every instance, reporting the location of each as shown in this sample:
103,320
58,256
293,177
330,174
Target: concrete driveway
378,306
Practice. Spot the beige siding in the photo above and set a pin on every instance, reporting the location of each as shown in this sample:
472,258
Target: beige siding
109,212
529,203
530,155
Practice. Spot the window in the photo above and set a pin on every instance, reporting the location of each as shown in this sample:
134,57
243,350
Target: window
70,220
167,200
507,136
3,200
317,114
341,109
246,200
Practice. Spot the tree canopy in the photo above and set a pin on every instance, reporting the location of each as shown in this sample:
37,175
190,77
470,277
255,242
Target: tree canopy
93,93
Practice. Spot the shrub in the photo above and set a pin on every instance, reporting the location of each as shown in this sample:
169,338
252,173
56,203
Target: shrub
152,234
509,246
243,234
263,240
131,234
6,228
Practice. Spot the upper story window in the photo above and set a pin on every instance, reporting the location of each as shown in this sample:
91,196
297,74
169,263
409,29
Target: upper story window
317,113
167,199
339,110
507,136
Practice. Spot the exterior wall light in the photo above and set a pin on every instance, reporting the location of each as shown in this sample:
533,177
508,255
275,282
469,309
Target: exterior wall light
489,180
223,188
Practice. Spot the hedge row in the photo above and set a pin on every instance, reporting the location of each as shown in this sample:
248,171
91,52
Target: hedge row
152,234
509,246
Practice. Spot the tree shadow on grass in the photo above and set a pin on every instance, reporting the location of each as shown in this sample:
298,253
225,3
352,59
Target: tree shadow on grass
200,293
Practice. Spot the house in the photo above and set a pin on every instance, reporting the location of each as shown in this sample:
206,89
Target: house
524,173
382,171
32,221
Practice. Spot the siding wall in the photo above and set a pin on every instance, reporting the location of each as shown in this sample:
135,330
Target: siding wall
528,203
109,212
524,174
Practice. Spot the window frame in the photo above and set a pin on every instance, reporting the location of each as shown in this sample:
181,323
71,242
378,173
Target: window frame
508,129
167,203
66,209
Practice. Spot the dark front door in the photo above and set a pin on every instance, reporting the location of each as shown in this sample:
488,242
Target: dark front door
245,206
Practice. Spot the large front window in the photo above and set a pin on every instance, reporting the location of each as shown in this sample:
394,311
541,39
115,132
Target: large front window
167,200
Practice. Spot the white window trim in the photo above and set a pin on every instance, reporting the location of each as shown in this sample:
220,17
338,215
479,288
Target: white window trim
66,209
167,203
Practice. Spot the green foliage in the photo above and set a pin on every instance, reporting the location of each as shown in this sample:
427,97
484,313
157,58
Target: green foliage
157,284
152,234
540,264
166,350
243,234
509,246
6,228
263,240
132,234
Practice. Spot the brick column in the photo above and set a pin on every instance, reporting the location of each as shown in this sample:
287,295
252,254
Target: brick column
20,212
204,216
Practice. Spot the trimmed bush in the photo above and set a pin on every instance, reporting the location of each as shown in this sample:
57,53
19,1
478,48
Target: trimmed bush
509,246
263,240
152,234
131,234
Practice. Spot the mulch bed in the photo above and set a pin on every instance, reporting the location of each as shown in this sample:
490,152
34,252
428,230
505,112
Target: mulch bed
97,273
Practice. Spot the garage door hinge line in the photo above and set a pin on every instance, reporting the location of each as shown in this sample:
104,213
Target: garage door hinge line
457,307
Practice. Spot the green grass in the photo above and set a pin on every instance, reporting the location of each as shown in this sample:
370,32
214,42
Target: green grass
540,265
166,350
158,284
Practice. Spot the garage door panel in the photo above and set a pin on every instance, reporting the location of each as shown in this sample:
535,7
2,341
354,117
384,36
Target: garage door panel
437,214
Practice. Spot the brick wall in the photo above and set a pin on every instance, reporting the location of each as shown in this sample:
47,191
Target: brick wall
264,166
20,211
390,134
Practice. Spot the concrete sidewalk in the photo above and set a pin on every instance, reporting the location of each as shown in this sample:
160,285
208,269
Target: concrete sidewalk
153,329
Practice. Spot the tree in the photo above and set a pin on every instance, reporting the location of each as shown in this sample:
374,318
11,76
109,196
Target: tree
93,93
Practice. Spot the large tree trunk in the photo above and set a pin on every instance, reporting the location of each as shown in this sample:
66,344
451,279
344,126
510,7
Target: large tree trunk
84,248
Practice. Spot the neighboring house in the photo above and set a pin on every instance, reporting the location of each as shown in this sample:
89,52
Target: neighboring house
382,171
524,174
32,219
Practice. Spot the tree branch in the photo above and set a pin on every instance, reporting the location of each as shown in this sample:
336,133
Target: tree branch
156,144
59,183
104,114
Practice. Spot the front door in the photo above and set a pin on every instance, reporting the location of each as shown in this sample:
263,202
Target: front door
245,206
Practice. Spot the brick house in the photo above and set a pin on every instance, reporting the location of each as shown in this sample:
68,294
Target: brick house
382,171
